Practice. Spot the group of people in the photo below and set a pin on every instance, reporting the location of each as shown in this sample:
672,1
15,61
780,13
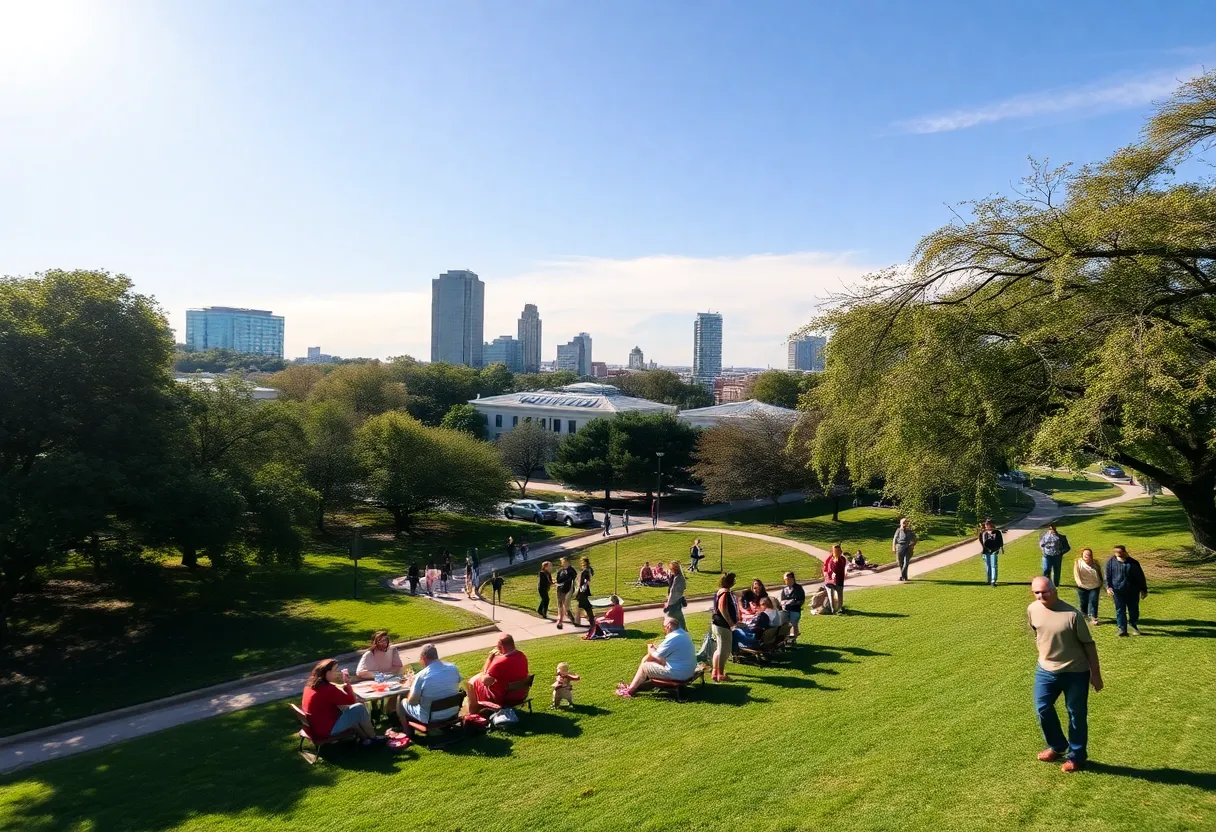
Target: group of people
436,575
572,584
741,622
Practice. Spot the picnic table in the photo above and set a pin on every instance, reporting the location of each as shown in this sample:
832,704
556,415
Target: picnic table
372,691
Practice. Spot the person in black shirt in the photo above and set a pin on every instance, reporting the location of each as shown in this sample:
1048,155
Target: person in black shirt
793,597
584,592
510,550
1126,584
544,580
445,571
566,576
412,576
991,544
496,585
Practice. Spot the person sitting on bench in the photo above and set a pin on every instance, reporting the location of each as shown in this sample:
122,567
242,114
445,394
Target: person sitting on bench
673,659
748,634
503,666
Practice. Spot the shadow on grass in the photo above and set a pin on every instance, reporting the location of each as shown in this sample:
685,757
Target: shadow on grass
1205,780
547,722
589,710
873,614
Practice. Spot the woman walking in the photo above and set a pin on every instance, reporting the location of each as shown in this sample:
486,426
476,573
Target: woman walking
544,581
833,579
991,544
1087,575
583,596
676,584
725,617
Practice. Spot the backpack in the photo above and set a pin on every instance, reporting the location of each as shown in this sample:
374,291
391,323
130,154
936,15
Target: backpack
1064,547
505,718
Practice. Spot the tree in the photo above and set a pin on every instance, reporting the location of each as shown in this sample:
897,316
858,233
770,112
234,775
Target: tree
495,379
364,389
611,454
331,466
526,449
467,419
777,387
525,382
296,382
84,395
1076,317
753,457
665,387
434,388
412,469
223,361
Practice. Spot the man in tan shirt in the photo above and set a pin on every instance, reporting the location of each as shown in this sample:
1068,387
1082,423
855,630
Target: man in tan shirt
1068,664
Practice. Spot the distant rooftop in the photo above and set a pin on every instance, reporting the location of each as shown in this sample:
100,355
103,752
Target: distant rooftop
732,410
586,396
233,309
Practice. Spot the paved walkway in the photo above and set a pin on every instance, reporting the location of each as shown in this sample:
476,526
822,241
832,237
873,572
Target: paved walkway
157,716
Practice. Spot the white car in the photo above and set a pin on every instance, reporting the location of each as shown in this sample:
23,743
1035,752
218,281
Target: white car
537,511
573,514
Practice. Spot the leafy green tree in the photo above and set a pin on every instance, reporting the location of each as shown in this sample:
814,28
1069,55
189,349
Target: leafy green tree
777,387
525,382
526,449
621,453
495,379
295,383
364,389
1077,317
662,386
223,361
435,388
84,395
754,457
465,418
331,466
412,469
281,504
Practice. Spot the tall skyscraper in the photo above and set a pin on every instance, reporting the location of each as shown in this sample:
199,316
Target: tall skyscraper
575,356
707,348
529,338
252,331
505,349
636,360
806,353
458,307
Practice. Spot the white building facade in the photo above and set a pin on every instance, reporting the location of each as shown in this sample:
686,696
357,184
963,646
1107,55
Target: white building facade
563,411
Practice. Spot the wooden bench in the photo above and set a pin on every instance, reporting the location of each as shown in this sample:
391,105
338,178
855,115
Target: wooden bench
306,733
520,686
678,686
417,729
763,652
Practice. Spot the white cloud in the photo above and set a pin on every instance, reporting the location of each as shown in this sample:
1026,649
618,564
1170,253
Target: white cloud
647,301
1105,96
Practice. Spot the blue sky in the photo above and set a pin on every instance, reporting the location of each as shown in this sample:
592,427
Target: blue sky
622,165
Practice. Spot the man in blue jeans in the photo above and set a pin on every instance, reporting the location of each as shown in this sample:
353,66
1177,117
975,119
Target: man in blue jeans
1054,547
1068,664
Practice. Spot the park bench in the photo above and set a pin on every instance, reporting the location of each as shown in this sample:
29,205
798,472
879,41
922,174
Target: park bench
520,686
306,733
764,651
678,686
416,729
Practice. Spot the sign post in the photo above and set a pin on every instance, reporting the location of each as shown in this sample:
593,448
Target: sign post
355,545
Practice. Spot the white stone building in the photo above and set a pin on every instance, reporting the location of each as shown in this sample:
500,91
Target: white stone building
707,417
563,411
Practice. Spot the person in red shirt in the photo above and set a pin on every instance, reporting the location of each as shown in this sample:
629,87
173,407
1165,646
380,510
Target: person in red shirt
332,709
833,578
503,666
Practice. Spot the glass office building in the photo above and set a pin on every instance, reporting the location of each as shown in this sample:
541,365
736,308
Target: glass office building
458,304
707,348
806,353
251,331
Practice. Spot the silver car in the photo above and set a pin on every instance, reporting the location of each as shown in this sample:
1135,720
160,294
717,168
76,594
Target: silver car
537,511
573,514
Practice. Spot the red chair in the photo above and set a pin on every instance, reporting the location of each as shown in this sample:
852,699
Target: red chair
318,743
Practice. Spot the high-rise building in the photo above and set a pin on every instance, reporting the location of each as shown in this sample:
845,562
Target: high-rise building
806,353
458,305
505,349
252,331
529,338
636,360
570,356
584,367
707,348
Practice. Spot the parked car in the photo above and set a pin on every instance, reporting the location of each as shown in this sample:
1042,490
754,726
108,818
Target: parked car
1018,477
573,514
1113,471
537,511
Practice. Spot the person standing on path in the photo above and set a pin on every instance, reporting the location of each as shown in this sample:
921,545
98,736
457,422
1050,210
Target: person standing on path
523,550
1087,575
468,577
583,595
411,575
1125,583
1054,546
676,584
495,588
724,618
1068,664
544,580
476,563
654,514
607,524
445,572
793,597
625,520
566,576
510,550
992,543
694,556
904,545
833,579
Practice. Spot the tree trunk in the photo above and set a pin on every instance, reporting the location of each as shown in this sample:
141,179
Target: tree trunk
401,521
190,557
1198,500
836,509
321,515
523,487
776,510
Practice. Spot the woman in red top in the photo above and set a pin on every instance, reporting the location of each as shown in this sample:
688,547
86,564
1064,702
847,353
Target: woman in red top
614,618
833,579
332,709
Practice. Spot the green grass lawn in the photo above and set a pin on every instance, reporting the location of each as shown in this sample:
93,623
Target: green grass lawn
1070,490
81,648
865,528
747,557
913,713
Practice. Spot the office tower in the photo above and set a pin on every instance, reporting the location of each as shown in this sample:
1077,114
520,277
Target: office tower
252,331
636,360
584,367
457,318
570,356
707,348
506,349
806,353
529,338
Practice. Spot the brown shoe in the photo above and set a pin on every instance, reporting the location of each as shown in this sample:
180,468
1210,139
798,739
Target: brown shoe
1070,766
1049,755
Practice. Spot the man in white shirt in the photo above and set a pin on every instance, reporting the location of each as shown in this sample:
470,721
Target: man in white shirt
437,680
675,658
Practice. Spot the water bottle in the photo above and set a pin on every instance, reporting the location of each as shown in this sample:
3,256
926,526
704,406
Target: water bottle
379,678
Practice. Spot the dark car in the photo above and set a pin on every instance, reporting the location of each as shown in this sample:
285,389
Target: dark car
1113,471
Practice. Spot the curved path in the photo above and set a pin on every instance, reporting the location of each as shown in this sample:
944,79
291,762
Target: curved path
60,741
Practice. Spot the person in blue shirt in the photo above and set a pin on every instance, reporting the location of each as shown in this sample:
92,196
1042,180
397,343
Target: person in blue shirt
437,680
1126,584
674,658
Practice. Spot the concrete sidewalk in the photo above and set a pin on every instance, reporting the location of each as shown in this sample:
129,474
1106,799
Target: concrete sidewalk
50,745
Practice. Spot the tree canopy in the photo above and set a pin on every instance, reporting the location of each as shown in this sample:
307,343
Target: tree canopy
526,449
620,453
662,386
753,457
1077,316
781,387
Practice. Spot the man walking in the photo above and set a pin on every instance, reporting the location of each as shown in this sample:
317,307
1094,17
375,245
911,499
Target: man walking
566,576
1068,664
625,520
904,545
991,544
607,524
654,514
510,550
1126,584
1054,546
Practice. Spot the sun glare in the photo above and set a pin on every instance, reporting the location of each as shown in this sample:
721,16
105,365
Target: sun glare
38,37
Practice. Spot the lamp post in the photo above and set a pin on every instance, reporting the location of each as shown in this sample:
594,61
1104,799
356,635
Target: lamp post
354,554
658,493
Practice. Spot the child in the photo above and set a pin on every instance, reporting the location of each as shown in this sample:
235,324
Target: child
563,687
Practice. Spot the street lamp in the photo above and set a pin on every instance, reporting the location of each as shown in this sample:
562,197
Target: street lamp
658,498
